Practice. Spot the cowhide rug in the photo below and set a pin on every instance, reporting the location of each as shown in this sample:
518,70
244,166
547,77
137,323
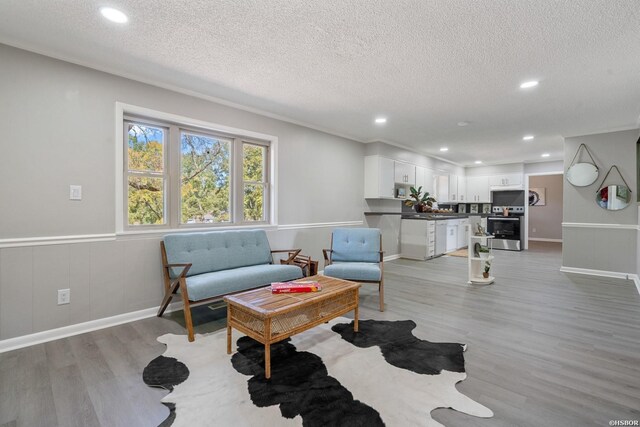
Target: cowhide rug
327,376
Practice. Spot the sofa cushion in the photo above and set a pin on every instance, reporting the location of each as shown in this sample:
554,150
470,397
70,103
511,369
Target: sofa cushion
356,244
208,285
354,271
217,250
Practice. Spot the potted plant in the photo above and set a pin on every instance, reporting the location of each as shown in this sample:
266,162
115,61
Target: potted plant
487,267
483,252
422,202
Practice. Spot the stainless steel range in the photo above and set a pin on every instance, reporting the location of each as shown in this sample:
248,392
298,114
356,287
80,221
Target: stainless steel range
509,230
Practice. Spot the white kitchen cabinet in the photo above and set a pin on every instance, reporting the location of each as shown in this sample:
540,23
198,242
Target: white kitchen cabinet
506,180
419,177
442,188
417,239
478,190
453,188
452,235
463,233
405,173
424,179
379,178
462,189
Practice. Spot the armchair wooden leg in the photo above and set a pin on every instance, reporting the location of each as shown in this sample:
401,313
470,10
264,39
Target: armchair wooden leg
187,310
381,290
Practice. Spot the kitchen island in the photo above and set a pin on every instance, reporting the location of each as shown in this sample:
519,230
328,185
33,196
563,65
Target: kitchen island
426,235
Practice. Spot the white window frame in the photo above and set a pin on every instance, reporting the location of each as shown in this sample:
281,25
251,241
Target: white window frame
172,186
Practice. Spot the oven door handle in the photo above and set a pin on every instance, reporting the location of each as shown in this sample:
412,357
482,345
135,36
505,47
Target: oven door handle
503,219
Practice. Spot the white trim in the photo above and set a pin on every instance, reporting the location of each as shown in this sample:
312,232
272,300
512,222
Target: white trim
391,257
88,238
603,273
55,240
542,239
597,225
636,280
81,328
320,225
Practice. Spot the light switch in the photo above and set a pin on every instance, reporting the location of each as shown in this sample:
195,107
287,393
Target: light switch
75,192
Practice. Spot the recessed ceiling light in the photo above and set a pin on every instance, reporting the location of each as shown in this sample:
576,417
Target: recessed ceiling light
113,15
527,137
546,155
463,123
381,120
444,149
530,84
478,162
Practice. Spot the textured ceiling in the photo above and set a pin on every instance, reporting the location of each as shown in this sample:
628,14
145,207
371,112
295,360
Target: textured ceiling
336,64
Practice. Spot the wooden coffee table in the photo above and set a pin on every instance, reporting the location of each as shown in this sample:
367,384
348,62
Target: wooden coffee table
269,318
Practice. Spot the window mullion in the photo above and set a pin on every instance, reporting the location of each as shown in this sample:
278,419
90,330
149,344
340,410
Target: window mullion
174,177
237,182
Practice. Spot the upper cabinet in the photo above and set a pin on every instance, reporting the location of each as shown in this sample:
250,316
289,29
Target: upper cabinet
450,188
405,173
478,189
424,179
513,180
453,188
379,178
462,189
442,188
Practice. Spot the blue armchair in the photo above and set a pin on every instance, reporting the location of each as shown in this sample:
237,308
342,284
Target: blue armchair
356,255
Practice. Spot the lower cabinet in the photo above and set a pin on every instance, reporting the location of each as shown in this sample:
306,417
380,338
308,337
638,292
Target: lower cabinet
417,239
463,233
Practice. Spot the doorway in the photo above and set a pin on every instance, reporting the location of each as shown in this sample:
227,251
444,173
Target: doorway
543,218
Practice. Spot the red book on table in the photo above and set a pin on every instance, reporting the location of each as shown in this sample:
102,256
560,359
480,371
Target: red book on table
295,287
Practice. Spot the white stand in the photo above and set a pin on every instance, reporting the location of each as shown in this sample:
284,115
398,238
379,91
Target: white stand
476,264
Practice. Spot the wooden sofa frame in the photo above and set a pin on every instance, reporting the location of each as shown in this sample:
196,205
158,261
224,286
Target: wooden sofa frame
171,286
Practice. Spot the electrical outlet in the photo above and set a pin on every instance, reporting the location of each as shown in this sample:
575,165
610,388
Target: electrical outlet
533,230
64,296
75,192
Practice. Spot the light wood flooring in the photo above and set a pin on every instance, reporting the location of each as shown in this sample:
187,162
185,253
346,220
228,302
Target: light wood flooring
544,349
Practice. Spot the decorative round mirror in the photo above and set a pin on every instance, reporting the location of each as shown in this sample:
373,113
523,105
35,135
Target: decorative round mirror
582,174
613,197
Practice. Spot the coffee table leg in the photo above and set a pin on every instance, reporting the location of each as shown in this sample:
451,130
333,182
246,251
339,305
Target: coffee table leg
355,312
267,361
229,308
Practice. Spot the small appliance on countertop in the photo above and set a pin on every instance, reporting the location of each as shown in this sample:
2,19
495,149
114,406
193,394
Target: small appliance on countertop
507,225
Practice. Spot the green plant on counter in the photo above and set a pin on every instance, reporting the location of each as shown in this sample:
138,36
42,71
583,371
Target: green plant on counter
420,199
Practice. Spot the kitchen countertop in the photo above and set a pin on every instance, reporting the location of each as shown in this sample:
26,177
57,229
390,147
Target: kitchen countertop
428,215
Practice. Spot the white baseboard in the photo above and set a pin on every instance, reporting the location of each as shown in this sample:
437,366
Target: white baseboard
391,257
81,328
603,273
542,239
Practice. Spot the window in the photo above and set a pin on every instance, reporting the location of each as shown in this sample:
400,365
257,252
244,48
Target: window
145,172
205,178
254,180
181,176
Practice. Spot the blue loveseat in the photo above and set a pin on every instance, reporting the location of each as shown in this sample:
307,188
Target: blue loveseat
207,266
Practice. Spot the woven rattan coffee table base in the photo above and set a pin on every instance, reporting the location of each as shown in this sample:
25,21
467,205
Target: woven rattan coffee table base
269,318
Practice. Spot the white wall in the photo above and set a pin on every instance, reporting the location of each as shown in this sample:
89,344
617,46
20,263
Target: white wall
58,122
